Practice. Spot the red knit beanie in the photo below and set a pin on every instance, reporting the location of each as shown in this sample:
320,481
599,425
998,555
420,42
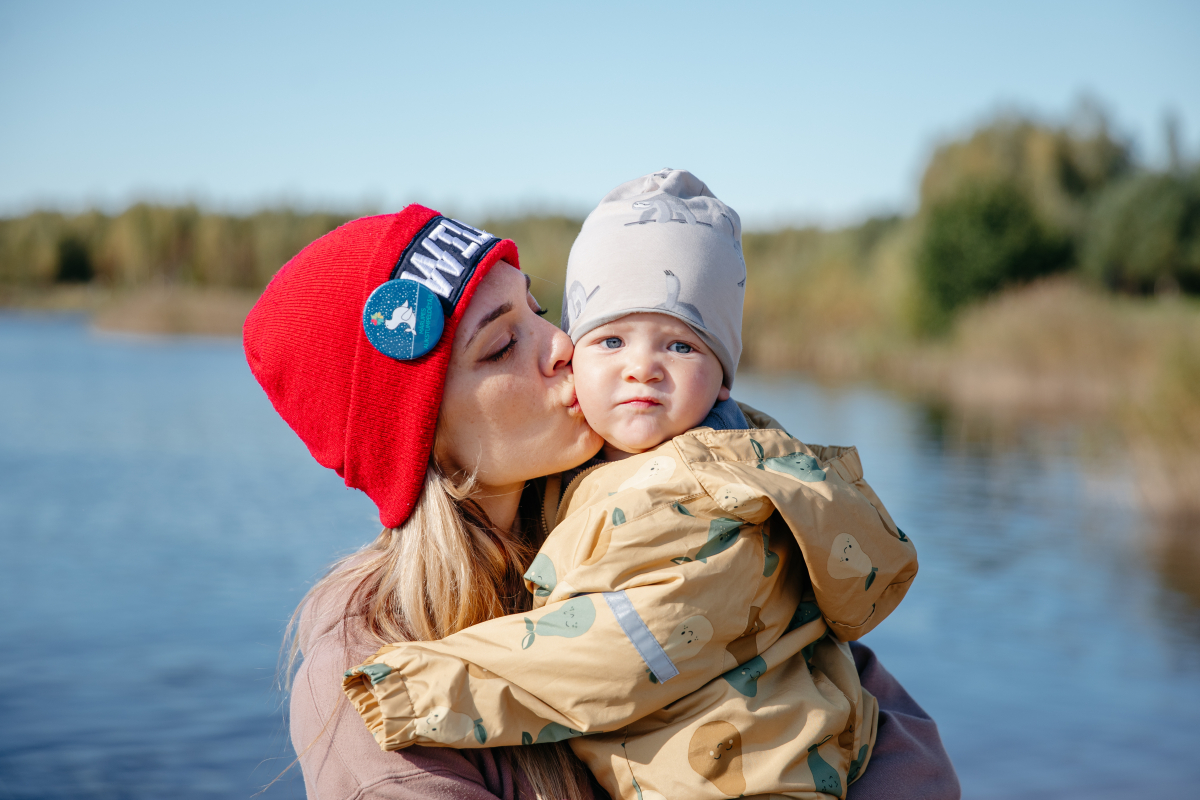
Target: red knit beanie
369,416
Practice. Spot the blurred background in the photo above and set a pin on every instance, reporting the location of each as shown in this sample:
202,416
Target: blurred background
973,245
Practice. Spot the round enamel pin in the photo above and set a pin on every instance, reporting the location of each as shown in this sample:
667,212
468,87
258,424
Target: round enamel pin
403,319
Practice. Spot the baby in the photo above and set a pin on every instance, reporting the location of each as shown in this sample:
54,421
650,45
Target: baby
694,596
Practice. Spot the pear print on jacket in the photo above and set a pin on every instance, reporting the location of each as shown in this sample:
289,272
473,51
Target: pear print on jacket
722,533
657,470
805,613
744,678
446,726
857,764
745,647
541,574
847,560
744,501
482,673
770,559
800,466
688,639
571,619
715,752
646,794
604,540
825,777
376,672
554,732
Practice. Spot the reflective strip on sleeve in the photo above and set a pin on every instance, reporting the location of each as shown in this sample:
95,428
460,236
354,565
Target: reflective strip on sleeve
643,641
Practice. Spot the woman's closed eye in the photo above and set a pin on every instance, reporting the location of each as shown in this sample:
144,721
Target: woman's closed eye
503,352
683,348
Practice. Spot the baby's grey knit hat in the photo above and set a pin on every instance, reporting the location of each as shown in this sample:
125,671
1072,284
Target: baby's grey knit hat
661,243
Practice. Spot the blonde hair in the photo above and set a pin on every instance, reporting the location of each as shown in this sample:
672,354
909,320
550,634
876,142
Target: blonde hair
446,568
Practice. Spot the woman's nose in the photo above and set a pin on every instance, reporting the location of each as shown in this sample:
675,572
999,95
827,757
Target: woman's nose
558,354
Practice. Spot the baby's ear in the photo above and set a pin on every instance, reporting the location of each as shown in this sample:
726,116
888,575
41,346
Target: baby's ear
723,394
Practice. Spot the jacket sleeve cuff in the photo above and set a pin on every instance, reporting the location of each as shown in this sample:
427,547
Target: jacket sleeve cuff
884,605
373,686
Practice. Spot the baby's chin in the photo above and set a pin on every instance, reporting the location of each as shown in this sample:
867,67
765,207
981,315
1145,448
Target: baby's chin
638,436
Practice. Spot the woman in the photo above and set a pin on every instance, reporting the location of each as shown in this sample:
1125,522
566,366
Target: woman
372,339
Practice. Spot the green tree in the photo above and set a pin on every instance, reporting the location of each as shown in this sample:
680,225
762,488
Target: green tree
977,241
1060,169
74,261
1144,234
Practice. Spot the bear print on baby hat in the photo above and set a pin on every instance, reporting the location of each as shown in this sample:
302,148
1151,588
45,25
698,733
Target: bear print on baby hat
661,243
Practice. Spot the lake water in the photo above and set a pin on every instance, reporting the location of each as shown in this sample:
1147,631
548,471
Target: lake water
158,523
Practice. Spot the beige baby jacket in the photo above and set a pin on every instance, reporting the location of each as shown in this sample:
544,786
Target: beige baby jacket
689,627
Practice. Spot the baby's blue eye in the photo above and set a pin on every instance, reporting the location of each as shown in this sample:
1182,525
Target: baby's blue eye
680,347
612,342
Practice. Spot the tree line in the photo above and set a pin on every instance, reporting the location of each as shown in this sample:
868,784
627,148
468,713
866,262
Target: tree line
1015,200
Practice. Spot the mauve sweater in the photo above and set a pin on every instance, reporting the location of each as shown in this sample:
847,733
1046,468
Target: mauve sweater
341,761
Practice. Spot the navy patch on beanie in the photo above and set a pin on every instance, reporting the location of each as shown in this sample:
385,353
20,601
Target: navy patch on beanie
404,317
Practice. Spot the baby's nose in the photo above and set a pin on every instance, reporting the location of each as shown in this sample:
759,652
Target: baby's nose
643,372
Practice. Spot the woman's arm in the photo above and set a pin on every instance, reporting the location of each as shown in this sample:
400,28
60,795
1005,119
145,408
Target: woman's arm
574,666
341,761
909,761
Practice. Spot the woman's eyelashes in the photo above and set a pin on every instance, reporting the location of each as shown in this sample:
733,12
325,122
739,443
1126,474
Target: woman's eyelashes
503,352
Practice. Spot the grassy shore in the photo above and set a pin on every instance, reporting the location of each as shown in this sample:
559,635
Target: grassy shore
150,310
1059,348
1055,348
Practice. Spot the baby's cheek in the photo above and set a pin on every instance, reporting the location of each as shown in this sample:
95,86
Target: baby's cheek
699,390
591,400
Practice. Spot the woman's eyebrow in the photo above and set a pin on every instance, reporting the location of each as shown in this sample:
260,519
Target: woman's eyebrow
496,314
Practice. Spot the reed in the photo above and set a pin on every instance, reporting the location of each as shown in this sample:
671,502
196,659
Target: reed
154,245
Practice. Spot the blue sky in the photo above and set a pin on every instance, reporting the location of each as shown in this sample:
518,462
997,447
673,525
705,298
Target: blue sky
794,111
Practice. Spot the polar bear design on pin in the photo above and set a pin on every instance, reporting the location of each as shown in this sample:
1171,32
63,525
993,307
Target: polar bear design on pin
403,315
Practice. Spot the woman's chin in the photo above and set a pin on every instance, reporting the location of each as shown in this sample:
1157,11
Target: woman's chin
591,445
569,453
